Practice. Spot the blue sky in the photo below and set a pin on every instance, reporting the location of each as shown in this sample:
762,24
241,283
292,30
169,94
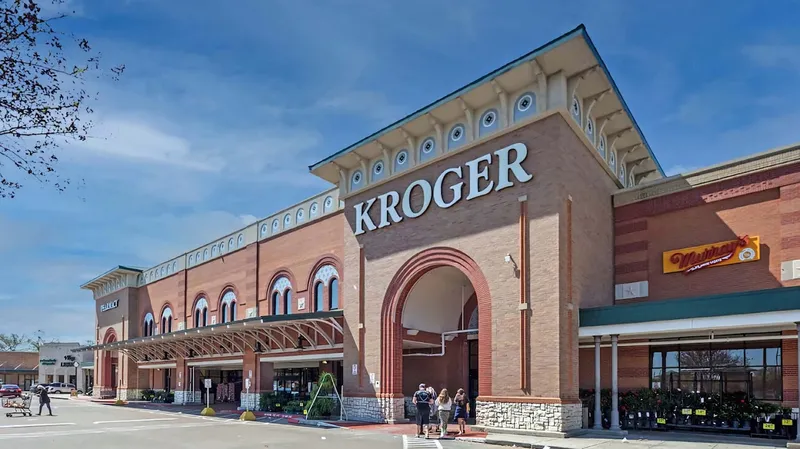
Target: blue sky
224,105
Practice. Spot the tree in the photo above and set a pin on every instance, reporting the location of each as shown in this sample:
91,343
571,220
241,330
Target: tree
12,342
43,97
39,339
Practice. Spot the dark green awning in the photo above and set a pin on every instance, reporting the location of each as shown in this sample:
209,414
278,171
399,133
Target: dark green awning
759,301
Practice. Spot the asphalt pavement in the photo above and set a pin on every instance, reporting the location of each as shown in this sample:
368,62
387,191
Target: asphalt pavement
82,424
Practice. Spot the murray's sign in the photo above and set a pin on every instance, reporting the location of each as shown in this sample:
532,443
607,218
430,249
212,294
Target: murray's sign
479,185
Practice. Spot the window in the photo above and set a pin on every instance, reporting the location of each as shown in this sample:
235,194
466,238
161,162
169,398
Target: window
201,313
228,307
275,302
456,137
287,302
752,368
590,129
148,325
488,123
333,294
166,321
378,171
525,106
575,110
319,297
401,160
356,180
427,149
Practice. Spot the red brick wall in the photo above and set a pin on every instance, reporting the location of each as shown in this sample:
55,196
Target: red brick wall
641,242
633,365
155,296
448,371
297,254
486,229
235,270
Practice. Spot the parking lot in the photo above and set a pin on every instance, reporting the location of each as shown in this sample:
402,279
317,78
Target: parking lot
82,424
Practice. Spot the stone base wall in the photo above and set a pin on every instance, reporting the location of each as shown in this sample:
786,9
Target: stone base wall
129,394
559,418
377,410
187,397
249,401
411,409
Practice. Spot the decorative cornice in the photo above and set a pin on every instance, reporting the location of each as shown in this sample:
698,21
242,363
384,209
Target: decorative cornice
721,172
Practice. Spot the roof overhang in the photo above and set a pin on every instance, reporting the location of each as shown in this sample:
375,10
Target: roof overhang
573,53
111,276
267,334
761,310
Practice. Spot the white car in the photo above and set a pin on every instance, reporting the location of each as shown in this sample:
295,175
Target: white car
60,388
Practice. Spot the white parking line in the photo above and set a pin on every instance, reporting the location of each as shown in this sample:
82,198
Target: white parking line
49,424
135,420
66,433
420,443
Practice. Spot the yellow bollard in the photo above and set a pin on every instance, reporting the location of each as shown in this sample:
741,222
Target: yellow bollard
119,402
208,411
247,416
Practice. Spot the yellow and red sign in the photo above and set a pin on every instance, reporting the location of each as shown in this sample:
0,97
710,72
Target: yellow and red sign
689,260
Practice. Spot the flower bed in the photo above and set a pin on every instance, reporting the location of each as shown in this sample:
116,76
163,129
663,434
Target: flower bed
648,409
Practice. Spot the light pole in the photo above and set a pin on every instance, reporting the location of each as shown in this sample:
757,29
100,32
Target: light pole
76,365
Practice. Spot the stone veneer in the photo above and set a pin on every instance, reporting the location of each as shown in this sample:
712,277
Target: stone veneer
551,418
129,394
187,397
371,409
249,401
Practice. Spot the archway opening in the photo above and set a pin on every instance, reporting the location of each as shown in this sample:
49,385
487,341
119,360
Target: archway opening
440,335
110,366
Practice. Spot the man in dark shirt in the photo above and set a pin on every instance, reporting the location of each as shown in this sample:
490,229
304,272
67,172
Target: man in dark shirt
44,399
423,401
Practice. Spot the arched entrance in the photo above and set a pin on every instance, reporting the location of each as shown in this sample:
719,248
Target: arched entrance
434,294
110,366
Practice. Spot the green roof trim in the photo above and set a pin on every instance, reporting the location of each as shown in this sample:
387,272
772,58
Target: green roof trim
759,301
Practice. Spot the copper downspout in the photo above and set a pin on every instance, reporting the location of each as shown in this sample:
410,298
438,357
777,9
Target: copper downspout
361,315
523,284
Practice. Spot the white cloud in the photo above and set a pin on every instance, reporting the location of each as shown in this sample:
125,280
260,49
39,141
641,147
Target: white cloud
774,56
248,219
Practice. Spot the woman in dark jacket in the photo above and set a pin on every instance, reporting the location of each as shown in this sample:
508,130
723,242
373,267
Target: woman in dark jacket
461,401
44,399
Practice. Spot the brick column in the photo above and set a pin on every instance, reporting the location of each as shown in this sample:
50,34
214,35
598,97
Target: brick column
789,206
249,399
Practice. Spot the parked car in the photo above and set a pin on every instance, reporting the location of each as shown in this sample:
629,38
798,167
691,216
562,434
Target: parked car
35,387
60,387
10,391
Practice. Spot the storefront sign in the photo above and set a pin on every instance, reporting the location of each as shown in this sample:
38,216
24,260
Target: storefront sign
479,185
47,362
689,260
109,305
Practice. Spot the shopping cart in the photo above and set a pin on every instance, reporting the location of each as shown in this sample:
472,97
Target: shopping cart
18,406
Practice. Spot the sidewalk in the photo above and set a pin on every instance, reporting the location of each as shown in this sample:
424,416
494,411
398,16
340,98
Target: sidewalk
638,440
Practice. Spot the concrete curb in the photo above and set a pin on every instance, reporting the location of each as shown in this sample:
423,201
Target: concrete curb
516,443
313,423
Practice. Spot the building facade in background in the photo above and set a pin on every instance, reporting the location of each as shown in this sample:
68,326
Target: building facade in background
497,240
58,363
19,368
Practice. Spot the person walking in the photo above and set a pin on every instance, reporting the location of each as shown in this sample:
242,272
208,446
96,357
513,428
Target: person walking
423,400
44,399
461,402
443,405
434,415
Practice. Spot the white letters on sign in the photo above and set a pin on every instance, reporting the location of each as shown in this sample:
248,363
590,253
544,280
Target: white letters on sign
109,305
479,185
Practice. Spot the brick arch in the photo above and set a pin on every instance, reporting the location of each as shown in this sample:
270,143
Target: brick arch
110,333
394,301
165,306
229,287
283,271
329,259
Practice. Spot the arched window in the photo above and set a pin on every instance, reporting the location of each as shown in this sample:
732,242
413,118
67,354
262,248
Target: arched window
525,106
287,302
148,325
427,149
356,180
333,294
281,288
276,301
401,160
201,313
327,275
488,123
228,306
456,137
378,171
575,110
166,321
319,297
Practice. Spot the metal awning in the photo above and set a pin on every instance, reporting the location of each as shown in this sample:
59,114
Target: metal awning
267,334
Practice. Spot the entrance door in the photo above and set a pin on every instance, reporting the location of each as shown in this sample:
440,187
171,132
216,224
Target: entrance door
114,376
472,382
167,380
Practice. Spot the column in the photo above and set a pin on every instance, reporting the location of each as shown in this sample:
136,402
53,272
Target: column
797,438
614,388
598,419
